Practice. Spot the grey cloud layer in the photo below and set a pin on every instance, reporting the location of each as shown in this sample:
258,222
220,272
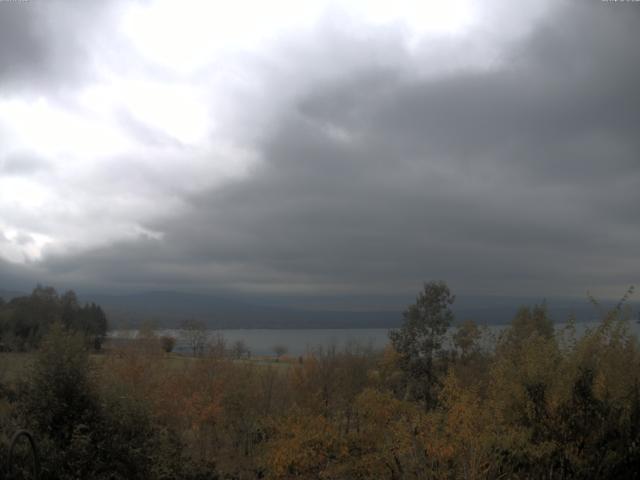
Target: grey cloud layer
519,178
45,44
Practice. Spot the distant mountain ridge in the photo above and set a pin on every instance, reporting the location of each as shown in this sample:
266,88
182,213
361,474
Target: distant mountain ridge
9,294
168,308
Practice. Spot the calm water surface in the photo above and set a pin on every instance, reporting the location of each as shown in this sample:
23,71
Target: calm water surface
296,341
299,342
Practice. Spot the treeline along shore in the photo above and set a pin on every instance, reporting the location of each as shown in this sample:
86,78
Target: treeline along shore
534,402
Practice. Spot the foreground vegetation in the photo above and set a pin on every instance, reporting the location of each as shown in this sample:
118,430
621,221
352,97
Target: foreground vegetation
539,403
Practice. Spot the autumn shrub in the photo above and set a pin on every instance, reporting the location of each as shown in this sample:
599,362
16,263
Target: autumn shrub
538,403
85,432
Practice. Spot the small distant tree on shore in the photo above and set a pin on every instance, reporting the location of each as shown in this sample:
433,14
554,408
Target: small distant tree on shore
216,345
279,350
195,335
239,349
167,343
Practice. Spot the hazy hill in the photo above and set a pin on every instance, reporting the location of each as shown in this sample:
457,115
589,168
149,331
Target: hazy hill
9,294
169,308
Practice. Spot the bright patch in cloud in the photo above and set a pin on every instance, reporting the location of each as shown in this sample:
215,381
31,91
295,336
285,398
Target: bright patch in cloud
51,131
175,110
187,35
421,16
20,246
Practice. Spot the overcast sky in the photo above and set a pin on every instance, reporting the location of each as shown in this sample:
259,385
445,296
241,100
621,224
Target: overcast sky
357,147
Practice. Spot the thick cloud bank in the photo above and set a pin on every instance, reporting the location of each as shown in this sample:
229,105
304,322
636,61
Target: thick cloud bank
343,158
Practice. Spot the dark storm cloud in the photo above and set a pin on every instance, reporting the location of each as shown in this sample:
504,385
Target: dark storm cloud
22,49
523,176
19,277
517,178
47,46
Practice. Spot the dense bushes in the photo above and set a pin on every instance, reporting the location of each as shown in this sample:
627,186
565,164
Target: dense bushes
540,404
86,431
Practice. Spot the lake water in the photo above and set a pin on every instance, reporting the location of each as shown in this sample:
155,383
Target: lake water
296,341
301,341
